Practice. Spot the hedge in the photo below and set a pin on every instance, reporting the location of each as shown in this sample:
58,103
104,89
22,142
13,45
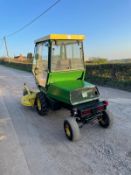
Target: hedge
113,75
20,66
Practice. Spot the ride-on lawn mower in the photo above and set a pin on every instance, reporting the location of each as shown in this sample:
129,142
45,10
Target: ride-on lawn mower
58,68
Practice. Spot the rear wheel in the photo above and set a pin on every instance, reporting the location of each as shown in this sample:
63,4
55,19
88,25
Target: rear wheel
105,120
71,129
41,105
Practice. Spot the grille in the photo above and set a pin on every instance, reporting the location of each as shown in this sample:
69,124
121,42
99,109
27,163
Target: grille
84,95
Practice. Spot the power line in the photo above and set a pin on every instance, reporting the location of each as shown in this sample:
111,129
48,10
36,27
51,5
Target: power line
33,20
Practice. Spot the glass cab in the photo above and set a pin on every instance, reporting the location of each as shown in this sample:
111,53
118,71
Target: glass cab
57,55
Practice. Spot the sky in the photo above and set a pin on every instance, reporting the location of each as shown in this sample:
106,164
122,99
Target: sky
105,23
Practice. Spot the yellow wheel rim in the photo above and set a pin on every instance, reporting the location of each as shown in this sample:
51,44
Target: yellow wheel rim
39,104
67,130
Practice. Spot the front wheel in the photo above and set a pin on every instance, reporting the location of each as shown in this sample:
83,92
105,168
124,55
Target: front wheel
71,129
105,120
41,105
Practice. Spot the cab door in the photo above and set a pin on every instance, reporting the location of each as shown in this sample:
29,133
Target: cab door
40,63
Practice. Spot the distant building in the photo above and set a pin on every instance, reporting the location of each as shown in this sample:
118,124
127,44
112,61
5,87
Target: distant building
20,58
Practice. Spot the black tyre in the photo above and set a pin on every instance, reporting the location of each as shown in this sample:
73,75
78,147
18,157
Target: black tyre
105,120
41,105
71,129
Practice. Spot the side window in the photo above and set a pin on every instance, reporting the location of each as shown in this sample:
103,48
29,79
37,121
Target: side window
41,56
38,53
40,63
45,55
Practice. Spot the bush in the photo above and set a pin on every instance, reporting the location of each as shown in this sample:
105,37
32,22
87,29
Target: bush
114,75
17,65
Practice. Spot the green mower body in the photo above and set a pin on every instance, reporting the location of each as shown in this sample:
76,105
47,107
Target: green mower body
59,71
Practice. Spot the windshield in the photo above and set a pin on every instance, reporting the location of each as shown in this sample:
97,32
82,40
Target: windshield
67,55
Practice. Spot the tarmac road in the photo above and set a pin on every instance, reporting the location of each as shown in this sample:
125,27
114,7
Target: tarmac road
34,145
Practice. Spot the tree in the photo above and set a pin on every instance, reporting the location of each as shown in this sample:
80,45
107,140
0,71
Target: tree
97,60
30,57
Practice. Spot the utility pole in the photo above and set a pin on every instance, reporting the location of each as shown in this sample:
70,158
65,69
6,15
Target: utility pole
7,53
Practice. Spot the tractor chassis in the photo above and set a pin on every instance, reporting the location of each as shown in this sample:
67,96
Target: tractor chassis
87,113
81,114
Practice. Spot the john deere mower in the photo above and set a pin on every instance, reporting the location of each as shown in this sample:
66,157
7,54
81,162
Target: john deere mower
58,68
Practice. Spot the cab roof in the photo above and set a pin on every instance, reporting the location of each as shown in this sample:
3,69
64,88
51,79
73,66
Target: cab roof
61,37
